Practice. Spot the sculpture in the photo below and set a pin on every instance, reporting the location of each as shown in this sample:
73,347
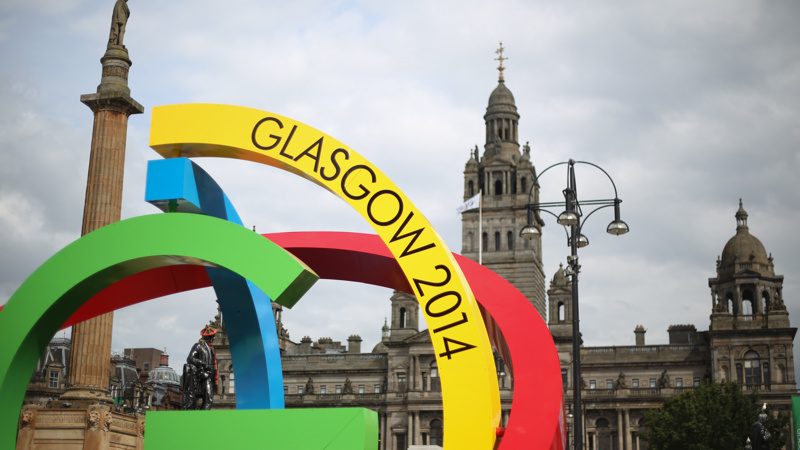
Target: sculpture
621,384
663,381
200,372
119,18
759,435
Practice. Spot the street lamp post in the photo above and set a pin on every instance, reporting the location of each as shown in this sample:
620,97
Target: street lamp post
571,220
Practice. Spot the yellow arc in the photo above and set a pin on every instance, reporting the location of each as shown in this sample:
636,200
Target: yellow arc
469,382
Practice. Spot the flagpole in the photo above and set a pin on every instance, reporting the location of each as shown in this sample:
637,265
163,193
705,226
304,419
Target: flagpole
480,226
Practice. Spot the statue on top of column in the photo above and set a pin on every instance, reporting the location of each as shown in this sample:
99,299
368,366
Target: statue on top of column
119,19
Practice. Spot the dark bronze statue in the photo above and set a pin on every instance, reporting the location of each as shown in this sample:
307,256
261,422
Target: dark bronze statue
118,21
200,372
759,435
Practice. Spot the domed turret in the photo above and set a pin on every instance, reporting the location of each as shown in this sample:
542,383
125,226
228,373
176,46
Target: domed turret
746,288
743,251
502,120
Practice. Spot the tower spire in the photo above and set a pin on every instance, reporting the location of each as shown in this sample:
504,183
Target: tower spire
500,58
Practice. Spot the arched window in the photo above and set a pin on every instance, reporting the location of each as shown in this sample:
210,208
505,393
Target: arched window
731,304
562,312
497,241
402,323
471,188
524,185
752,369
485,241
498,187
642,430
510,240
748,306
604,439
470,242
765,301
437,432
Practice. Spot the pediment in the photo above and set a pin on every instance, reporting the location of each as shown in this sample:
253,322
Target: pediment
423,337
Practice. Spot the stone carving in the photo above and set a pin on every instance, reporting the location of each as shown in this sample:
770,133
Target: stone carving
620,384
93,420
119,19
309,386
27,419
141,428
663,381
348,386
108,419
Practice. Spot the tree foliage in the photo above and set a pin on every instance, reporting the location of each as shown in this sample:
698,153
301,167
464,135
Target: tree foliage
711,416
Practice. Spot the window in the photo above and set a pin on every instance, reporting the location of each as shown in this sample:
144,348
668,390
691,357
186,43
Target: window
285,390
498,188
54,378
376,388
564,378
752,368
592,384
652,383
635,382
323,389
609,384
485,241
360,388
497,241
471,188
146,366
424,381
338,388
436,384
401,382
604,439
300,389
562,312
679,382
696,381
510,239
437,432
402,318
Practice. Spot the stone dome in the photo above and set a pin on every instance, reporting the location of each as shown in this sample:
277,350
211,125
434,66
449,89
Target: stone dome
560,278
743,247
501,95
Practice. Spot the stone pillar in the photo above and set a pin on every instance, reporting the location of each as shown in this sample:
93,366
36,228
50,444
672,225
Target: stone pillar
90,360
411,430
628,440
417,434
417,374
620,430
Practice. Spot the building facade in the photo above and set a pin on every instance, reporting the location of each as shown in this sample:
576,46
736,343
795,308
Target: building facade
749,337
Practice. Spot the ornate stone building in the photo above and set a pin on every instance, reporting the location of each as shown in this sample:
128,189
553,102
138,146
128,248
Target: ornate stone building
749,339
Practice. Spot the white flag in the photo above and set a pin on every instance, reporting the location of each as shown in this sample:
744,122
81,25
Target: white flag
472,203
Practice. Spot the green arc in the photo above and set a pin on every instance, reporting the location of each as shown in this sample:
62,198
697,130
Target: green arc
76,273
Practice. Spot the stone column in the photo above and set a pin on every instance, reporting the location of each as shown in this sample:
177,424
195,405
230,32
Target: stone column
628,440
410,428
417,374
620,430
417,434
90,360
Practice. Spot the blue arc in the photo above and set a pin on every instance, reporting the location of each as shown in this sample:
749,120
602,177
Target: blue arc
180,185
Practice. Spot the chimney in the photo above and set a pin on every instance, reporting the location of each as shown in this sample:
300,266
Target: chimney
305,346
354,344
639,331
164,360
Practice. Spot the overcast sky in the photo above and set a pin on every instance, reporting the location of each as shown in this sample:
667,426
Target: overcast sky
688,105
